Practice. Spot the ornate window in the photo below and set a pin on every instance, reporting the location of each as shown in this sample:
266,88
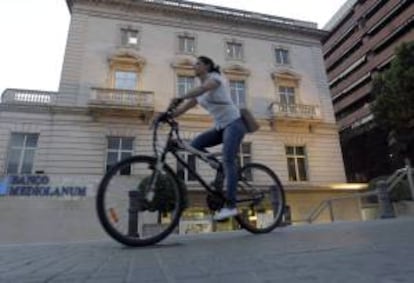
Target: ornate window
287,86
237,76
125,66
183,66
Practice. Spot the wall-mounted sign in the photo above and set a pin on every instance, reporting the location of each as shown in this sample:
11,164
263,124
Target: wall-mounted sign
39,186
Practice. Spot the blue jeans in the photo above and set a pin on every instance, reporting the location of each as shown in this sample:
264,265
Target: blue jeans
231,138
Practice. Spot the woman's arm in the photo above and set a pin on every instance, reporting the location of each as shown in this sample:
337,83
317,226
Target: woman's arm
208,85
185,107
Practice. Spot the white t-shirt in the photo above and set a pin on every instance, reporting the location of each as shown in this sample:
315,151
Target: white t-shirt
218,102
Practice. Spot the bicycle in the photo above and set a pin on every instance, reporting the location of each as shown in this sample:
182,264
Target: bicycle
140,199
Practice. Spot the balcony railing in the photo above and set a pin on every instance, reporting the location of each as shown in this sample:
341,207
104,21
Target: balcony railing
123,99
24,96
294,111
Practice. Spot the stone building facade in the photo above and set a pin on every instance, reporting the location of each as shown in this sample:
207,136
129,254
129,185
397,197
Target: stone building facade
123,63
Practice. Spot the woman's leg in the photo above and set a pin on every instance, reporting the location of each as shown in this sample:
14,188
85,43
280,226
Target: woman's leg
232,138
208,138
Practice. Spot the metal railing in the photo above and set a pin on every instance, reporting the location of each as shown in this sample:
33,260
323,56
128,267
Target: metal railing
298,111
24,96
119,97
399,175
390,183
328,204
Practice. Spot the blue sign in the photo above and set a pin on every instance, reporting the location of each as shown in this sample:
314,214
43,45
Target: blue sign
37,185
4,186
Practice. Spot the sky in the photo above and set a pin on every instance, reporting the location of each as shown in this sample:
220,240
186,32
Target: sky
33,34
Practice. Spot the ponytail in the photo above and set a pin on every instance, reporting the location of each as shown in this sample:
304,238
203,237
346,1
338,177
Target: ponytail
212,67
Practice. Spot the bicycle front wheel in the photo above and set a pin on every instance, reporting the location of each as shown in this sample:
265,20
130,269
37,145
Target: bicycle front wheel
260,199
137,204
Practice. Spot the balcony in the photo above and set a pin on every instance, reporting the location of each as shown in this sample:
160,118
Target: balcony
294,111
28,97
121,101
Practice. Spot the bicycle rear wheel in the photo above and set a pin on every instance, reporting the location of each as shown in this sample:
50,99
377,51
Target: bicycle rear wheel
260,199
138,205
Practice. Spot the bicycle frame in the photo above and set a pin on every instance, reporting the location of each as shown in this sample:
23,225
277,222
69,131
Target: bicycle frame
175,145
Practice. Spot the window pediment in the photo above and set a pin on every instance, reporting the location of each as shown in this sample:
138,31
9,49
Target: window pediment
184,65
126,56
184,62
236,71
286,75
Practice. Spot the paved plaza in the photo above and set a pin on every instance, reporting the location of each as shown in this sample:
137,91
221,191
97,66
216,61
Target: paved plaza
374,251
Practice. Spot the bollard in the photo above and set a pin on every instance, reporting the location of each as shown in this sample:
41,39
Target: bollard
385,205
287,216
134,207
331,212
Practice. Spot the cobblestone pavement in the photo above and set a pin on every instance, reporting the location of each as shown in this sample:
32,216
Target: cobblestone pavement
374,251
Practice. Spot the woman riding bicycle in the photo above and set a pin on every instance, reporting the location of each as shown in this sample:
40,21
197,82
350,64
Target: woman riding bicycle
214,95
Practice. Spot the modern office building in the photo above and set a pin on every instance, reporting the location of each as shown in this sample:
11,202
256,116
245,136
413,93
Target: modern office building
362,39
125,60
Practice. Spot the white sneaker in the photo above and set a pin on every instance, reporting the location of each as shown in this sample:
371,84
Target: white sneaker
225,213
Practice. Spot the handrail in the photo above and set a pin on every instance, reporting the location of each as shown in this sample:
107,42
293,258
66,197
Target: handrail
398,175
391,182
314,214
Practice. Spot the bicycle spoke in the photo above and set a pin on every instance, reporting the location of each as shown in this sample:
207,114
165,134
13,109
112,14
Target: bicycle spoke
140,208
260,199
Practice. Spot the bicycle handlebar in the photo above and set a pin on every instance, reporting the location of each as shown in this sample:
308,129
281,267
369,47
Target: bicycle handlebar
168,114
165,117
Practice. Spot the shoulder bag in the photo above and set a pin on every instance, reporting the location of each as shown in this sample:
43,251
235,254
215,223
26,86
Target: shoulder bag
249,121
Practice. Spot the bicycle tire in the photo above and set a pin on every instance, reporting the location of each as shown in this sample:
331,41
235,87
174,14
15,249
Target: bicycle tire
257,181
105,214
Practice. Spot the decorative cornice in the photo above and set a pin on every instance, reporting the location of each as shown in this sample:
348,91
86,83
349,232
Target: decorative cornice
268,35
188,10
